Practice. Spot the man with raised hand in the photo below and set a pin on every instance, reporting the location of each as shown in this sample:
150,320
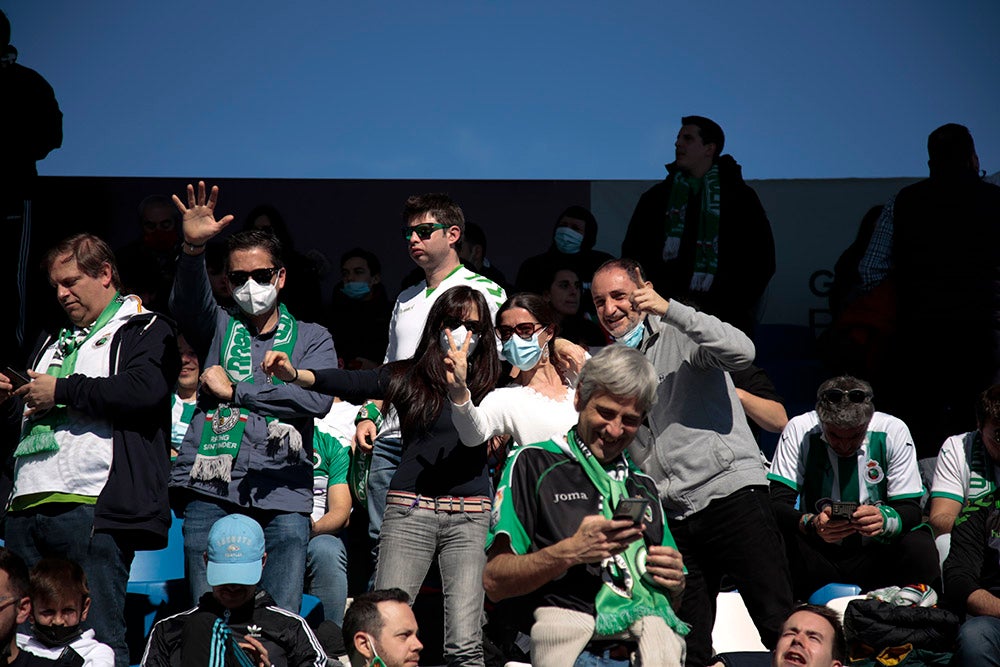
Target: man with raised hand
249,448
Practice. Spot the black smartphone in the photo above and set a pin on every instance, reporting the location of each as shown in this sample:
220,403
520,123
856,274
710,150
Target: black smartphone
842,510
632,509
17,378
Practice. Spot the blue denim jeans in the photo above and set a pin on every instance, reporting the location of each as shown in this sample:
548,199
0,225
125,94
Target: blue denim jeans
286,535
978,642
588,659
410,540
386,454
66,531
326,575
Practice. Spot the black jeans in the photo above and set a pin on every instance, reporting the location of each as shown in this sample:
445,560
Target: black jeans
735,536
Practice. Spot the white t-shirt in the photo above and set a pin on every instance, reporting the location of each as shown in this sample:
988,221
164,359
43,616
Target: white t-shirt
964,469
410,314
528,416
837,481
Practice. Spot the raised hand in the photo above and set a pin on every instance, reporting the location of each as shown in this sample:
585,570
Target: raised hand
456,368
645,299
199,220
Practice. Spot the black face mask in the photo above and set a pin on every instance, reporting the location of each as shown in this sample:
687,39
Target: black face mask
55,636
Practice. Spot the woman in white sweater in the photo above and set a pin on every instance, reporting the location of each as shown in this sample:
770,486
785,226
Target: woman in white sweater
539,405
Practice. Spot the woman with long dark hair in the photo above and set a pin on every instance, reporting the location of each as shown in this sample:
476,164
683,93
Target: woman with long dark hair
439,500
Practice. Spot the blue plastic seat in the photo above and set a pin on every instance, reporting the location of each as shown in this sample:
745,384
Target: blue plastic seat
833,591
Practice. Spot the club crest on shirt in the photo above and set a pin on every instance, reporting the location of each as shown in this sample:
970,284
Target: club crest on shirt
873,472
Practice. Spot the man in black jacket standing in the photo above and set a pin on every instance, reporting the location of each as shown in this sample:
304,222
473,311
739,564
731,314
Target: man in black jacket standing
702,235
91,463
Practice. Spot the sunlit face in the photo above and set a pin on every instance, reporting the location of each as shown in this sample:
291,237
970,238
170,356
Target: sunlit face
845,441
66,612
251,259
83,297
806,639
691,154
514,317
188,378
397,644
435,249
564,293
355,270
607,424
611,290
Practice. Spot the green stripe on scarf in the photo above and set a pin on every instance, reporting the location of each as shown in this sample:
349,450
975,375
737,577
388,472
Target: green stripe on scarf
38,433
619,607
706,254
222,431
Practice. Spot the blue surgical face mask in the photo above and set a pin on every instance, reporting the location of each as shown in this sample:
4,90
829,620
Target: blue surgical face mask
568,241
458,335
632,338
357,290
523,353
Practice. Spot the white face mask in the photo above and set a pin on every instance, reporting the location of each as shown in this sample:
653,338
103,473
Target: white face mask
376,661
254,298
458,335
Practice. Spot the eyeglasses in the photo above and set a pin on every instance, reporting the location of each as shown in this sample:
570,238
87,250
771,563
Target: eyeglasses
260,276
837,395
455,322
7,601
525,330
424,230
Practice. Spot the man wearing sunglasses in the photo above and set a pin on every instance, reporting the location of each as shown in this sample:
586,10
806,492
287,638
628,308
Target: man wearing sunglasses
854,473
433,230
249,448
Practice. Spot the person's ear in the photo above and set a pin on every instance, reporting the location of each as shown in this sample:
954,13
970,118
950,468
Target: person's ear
363,645
376,278
453,233
280,283
104,275
85,609
23,609
263,560
205,556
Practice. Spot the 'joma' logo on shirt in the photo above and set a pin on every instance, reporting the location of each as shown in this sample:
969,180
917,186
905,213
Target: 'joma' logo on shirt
563,497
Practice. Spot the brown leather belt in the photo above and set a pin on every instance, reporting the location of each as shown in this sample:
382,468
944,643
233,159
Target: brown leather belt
473,504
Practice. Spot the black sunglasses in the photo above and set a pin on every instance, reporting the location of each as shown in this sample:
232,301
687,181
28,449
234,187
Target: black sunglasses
423,231
260,276
455,322
838,395
525,330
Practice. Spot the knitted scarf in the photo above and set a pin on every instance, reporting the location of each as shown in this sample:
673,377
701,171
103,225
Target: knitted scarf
626,594
222,432
38,433
706,254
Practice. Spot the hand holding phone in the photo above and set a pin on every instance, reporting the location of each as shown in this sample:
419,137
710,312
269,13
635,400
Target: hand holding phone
633,509
16,378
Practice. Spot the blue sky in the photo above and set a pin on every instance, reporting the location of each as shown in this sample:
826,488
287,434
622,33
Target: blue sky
508,90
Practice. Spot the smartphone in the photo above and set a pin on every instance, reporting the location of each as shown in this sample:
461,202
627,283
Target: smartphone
842,510
632,509
17,378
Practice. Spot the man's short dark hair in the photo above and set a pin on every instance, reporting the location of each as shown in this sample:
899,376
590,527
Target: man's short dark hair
950,150
17,571
988,406
844,414
255,238
626,264
90,252
438,204
710,132
363,614
374,266
838,648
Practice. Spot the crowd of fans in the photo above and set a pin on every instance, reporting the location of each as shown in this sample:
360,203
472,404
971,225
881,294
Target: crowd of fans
571,459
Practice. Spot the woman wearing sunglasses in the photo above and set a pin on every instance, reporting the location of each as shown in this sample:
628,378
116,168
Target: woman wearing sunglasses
540,404
439,500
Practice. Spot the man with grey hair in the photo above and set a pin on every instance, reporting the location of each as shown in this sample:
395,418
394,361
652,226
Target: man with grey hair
580,532
697,446
854,471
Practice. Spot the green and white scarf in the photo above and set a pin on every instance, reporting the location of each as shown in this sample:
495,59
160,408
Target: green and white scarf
629,595
38,433
222,432
706,254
